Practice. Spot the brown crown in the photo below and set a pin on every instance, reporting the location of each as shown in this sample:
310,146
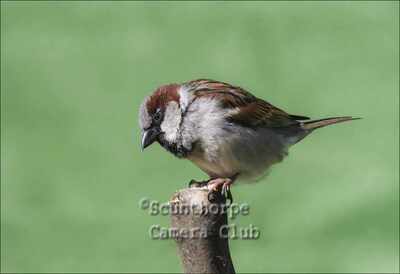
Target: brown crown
161,97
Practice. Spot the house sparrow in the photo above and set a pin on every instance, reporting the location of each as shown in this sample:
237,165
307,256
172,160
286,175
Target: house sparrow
226,131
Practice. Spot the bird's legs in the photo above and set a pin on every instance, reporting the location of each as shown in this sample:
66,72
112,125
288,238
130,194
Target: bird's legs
224,184
215,185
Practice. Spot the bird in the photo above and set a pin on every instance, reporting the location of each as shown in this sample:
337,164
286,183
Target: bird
226,131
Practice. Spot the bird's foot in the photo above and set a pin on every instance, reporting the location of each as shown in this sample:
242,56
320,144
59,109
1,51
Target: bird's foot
223,185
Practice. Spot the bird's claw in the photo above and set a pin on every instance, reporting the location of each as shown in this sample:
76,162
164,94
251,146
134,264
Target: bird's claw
225,192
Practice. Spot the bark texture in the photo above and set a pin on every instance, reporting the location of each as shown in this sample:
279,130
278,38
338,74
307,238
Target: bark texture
201,231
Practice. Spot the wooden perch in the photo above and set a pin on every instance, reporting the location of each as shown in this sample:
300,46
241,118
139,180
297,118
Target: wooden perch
201,228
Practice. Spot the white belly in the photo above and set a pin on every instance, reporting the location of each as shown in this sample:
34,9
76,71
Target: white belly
241,151
223,149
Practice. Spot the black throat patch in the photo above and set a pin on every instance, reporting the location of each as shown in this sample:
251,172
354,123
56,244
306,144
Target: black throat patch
178,150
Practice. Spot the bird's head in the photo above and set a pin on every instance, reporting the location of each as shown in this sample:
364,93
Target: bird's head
160,116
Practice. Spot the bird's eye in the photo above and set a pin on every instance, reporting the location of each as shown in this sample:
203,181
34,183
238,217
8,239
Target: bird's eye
157,116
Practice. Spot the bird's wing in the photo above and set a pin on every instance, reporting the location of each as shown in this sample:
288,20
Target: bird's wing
249,110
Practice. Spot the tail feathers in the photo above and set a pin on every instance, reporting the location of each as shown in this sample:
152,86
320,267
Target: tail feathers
311,125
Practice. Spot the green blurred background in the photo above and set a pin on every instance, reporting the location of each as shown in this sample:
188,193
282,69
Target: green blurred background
74,73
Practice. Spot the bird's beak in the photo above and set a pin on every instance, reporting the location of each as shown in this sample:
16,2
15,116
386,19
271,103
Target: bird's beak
149,136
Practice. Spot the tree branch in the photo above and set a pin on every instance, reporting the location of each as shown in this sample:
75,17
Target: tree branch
202,231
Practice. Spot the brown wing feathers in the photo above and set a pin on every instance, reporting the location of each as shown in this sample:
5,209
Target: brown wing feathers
252,111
